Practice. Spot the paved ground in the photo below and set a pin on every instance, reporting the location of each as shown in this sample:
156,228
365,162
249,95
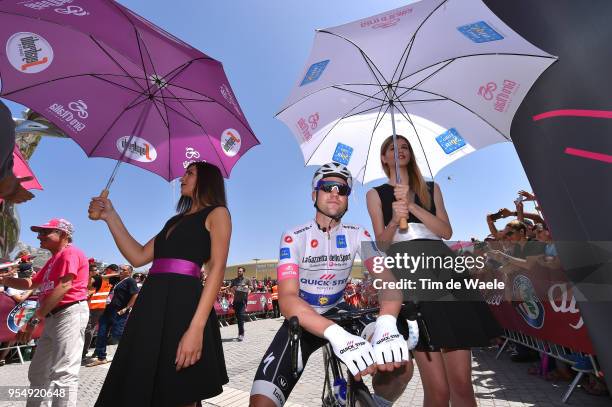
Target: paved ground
497,382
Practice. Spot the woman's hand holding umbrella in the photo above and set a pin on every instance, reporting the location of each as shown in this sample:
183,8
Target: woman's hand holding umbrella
100,207
400,212
401,194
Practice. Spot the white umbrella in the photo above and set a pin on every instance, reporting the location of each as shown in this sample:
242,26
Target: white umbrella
447,74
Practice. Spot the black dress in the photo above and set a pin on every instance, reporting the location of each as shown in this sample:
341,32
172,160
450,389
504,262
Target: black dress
143,372
451,319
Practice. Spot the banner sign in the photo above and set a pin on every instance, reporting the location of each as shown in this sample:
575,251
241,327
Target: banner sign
256,303
13,316
539,302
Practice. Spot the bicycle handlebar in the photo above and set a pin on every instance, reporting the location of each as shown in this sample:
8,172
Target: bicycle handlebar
295,332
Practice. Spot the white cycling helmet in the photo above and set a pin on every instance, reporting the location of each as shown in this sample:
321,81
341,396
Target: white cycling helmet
332,170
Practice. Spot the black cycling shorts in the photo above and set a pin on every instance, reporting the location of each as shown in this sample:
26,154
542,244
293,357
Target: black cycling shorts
274,378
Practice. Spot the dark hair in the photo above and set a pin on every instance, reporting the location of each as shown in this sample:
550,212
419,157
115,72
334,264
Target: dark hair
113,267
417,183
517,225
241,268
209,188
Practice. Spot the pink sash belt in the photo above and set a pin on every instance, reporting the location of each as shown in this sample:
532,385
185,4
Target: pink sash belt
176,266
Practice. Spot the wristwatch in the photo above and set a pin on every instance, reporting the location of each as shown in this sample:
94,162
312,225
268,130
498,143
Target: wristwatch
33,322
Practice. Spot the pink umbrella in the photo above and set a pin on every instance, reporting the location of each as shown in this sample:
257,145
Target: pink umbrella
21,169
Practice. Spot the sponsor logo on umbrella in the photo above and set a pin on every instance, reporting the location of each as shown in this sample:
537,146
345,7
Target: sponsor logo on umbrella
229,97
503,97
479,32
342,154
306,126
192,155
71,115
72,10
29,52
386,21
314,72
230,142
80,108
139,149
450,141
45,4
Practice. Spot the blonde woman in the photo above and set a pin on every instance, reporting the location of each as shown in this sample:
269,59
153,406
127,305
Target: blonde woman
450,322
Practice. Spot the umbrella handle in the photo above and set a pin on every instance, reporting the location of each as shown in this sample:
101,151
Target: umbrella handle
95,215
403,224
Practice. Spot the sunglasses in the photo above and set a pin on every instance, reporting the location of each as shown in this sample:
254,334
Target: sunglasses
46,232
331,186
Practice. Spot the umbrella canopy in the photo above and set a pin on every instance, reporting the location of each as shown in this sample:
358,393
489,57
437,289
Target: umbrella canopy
449,75
120,86
21,169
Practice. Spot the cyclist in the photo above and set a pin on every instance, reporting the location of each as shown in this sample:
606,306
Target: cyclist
314,267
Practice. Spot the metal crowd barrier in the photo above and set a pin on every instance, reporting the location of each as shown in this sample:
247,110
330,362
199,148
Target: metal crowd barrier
553,350
18,349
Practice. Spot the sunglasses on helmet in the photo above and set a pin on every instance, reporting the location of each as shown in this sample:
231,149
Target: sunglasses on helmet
331,186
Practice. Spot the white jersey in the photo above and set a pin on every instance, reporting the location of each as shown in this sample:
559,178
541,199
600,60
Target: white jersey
322,261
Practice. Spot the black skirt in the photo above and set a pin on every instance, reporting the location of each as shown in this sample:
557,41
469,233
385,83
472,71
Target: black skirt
142,372
450,319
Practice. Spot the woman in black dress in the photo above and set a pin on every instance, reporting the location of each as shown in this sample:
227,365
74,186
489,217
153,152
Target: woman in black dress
456,320
171,344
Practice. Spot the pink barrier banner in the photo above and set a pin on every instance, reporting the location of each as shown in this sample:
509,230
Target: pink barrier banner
256,302
223,306
539,302
259,302
13,316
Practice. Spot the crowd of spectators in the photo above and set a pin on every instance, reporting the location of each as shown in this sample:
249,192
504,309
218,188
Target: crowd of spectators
102,281
525,242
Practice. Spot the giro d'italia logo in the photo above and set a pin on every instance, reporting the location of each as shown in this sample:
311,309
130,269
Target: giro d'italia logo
28,52
20,315
527,303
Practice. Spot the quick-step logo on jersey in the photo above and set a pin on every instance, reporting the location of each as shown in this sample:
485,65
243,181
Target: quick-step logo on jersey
324,281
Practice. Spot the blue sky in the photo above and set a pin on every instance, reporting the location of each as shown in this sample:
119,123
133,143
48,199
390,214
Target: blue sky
263,45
